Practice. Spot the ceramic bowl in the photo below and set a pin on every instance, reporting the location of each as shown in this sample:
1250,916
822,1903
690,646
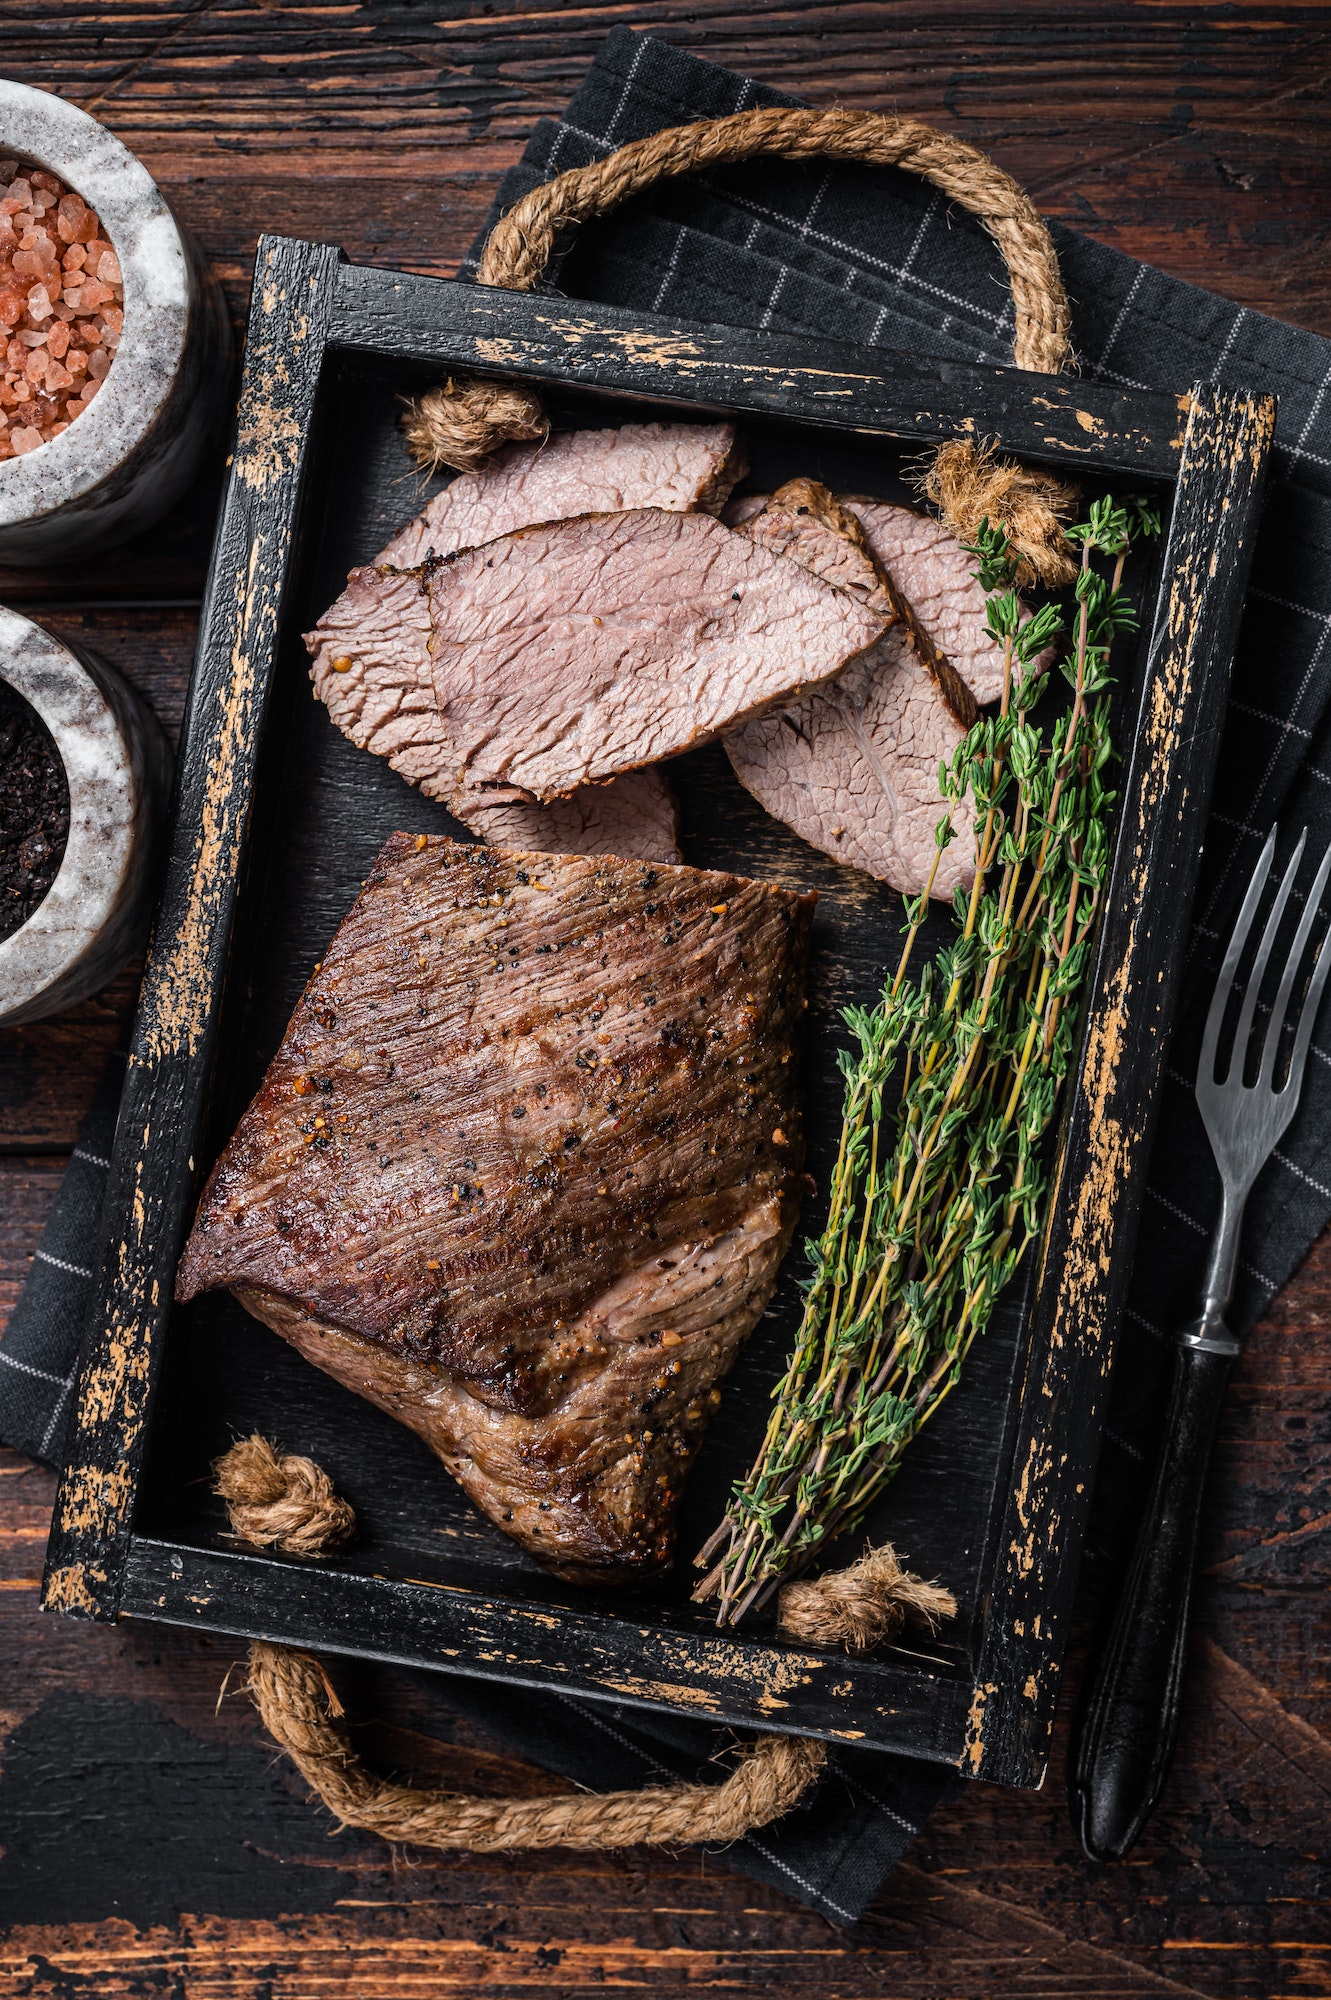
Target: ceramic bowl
127,459
118,767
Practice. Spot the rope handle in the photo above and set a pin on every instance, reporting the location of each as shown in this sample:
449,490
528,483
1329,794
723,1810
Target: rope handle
522,242
289,1503
461,422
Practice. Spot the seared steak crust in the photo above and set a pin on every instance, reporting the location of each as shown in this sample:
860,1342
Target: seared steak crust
523,1170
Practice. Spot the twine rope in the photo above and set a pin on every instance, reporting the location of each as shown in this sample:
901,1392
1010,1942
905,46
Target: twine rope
289,1503
460,423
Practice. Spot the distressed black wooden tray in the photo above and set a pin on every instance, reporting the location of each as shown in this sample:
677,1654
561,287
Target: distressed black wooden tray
277,819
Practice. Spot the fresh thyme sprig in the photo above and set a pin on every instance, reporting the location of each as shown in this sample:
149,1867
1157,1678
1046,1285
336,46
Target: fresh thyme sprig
935,1198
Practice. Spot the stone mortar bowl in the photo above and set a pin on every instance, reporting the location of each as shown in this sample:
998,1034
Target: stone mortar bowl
128,458
118,768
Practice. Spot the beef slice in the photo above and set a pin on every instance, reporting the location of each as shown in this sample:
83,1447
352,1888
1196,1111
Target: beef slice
854,768
932,570
571,652
804,520
635,815
371,669
684,466
371,674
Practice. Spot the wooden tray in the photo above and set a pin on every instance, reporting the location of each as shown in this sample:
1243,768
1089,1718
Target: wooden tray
277,818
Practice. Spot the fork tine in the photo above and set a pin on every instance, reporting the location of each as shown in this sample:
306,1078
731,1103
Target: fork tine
1233,953
1253,988
1292,963
1312,999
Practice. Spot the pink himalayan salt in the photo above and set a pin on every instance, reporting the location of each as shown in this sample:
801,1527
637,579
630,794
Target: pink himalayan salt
61,307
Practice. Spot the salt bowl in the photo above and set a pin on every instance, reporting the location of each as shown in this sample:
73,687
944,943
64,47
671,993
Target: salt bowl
133,450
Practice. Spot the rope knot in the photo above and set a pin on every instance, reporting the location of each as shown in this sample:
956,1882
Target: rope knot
461,422
970,483
285,1503
863,1606
289,1503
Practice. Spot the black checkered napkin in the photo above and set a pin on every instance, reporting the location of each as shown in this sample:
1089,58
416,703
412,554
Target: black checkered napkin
39,1352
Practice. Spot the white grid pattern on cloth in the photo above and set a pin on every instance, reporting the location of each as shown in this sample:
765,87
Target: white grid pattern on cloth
38,1374
1121,320
57,1412
62,1264
857,257
65,1385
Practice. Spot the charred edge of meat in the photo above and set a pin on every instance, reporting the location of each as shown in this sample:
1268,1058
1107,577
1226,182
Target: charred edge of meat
592,1489
732,468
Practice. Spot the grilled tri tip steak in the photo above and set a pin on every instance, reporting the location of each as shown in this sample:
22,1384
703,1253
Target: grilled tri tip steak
523,1170
377,687
854,768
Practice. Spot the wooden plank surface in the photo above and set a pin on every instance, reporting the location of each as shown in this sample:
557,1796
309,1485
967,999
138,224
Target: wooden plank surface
151,1843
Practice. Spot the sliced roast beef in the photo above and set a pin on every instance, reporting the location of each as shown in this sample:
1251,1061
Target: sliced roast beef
371,668
677,466
931,569
568,653
743,508
378,690
804,520
854,769
635,815
523,1170
370,664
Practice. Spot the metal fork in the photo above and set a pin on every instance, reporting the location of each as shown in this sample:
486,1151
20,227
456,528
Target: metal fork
1129,1722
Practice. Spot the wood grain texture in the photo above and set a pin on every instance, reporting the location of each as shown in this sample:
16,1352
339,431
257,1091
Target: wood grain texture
1193,135
1083,424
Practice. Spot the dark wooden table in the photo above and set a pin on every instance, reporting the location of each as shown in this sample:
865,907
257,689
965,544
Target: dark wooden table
152,1843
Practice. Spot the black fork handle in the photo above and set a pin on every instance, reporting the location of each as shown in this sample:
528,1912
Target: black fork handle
1129,1722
